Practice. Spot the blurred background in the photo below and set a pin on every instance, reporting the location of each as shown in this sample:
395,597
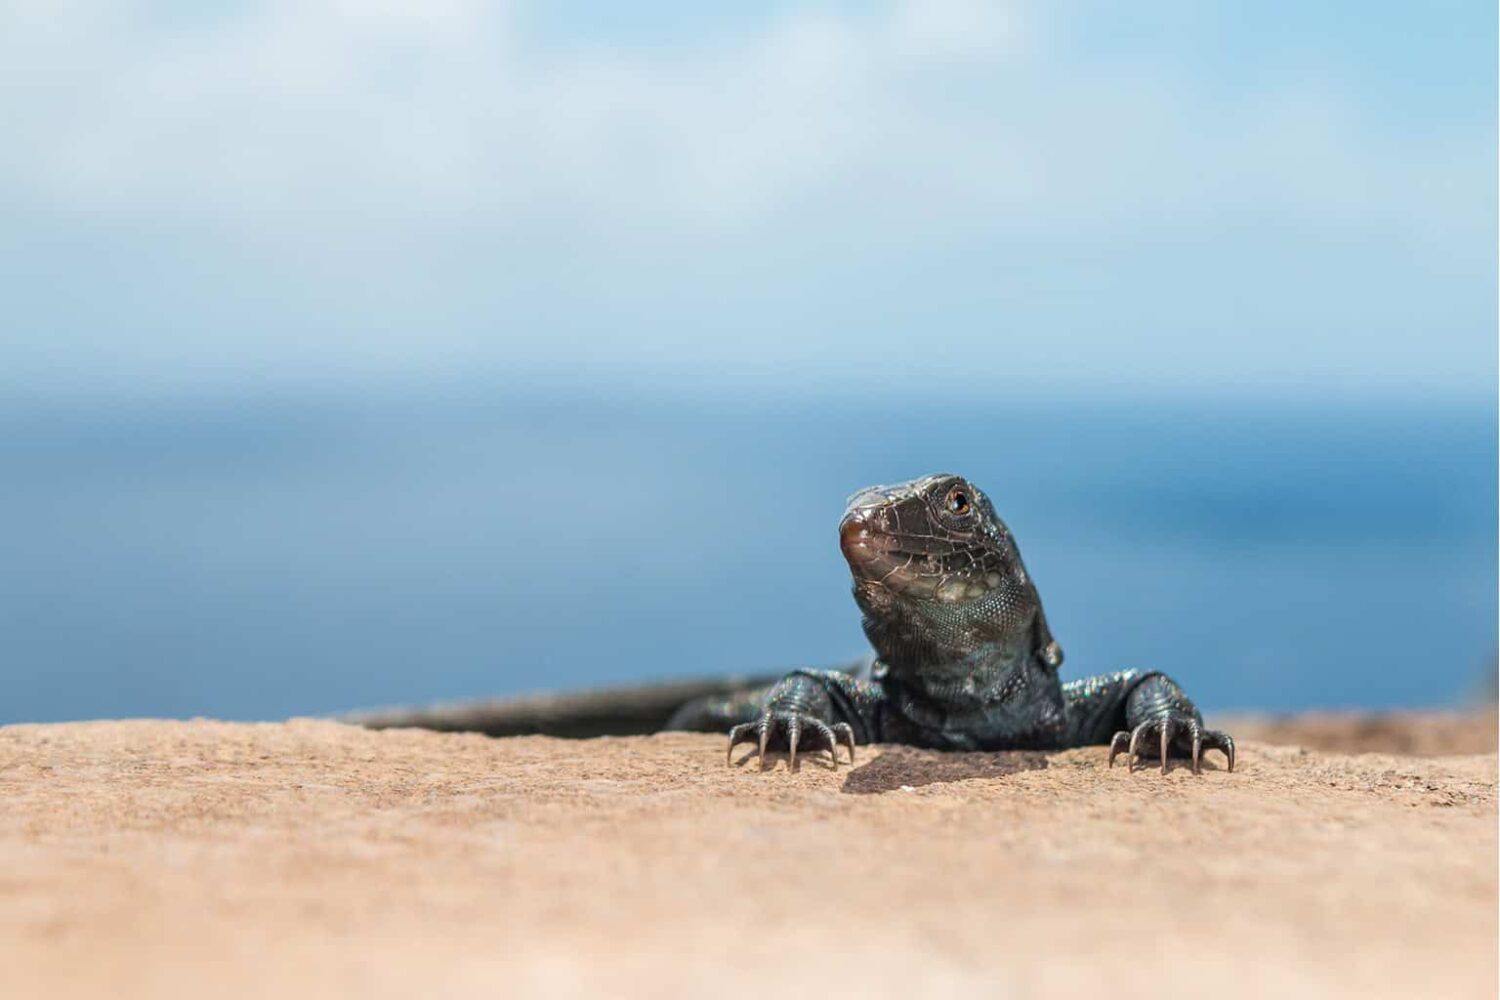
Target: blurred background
358,353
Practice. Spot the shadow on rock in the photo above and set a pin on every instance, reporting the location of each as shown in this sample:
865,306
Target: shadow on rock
910,767
777,759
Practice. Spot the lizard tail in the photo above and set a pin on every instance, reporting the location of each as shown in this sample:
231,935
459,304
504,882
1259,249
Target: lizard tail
625,711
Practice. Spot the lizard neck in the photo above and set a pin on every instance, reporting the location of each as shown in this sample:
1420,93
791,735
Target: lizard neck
929,650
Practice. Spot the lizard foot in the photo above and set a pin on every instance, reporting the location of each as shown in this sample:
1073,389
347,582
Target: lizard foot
787,727
1173,731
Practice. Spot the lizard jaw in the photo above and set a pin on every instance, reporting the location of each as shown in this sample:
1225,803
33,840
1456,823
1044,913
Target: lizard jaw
875,558
870,552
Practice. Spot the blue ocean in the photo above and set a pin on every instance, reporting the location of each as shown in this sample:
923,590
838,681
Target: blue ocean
261,558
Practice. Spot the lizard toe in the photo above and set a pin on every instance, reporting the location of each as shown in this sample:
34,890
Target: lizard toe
1117,745
794,731
844,733
1173,735
743,733
1223,742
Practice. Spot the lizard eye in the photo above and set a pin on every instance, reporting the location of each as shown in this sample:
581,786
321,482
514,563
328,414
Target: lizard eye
958,501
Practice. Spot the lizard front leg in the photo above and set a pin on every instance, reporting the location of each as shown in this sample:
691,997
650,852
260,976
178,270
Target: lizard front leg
816,709
1146,712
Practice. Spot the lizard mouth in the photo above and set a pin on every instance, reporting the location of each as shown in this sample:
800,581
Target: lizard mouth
862,544
874,554
885,559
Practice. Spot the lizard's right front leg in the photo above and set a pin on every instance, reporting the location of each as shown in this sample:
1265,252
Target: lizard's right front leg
813,709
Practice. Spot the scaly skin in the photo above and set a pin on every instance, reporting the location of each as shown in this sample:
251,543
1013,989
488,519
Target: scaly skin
964,658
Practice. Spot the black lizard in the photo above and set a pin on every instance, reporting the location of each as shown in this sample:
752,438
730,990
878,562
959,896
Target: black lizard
964,659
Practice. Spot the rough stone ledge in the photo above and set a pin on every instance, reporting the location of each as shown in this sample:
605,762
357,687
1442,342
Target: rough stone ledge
308,858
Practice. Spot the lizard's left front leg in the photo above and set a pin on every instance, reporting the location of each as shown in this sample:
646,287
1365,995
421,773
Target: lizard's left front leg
1147,712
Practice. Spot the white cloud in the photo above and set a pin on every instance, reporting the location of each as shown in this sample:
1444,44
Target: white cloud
334,136
446,109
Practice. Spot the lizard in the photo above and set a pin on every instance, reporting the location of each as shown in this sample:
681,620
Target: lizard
964,659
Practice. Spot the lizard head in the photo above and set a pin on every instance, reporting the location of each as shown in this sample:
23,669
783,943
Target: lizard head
938,575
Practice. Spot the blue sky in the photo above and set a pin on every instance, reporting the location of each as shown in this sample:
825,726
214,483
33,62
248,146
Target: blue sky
305,300
1261,200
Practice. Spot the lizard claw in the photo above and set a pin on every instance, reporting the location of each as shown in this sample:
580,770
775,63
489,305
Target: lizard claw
1175,734
845,735
743,733
791,726
1168,730
1115,746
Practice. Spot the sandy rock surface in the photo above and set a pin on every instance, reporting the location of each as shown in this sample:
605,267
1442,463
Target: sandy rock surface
170,859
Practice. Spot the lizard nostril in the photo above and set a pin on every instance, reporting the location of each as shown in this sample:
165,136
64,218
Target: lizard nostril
864,538
854,533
